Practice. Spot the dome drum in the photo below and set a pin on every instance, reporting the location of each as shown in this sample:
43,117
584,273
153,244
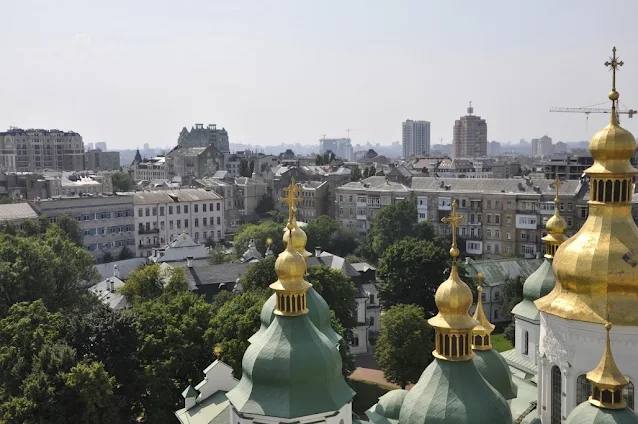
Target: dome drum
453,346
291,303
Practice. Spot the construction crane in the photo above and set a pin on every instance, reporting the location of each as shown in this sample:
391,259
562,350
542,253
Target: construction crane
348,131
588,110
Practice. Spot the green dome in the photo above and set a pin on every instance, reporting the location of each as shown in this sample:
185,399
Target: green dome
586,413
291,370
451,392
387,409
495,370
318,312
537,285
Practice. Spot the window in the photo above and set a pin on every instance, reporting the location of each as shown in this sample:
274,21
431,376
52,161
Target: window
196,236
371,320
195,208
569,207
583,389
211,206
483,297
179,223
219,221
523,236
204,235
355,341
497,219
161,210
185,208
488,248
139,212
203,207
340,211
162,225
178,209
489,218
371,299
497,295
204,221
170,225
496,316
497,234
350,199
340,198
525,343
497,249
508,218
186,223
556,395
197,222
147,211
218,205
170,210
508,236
155,211
489,204
569,222
562,207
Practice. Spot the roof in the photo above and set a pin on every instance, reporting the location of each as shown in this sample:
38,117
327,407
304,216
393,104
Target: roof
537,285
497,271
248,181
16,211
110,295
493,185
363,267
212,410
495,370
388,408
334,262
174,196
125,267
520,364
527,393
204,274
375,183
586,413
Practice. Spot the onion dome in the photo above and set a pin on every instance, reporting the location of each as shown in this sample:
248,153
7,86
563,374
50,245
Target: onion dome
597,267
541,282
291,369
489,362
299,237
388,408
606,403
451,389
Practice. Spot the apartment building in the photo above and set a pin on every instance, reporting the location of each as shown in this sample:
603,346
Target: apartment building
469,138
415,136
314,200
150,169
98,160
37,149
225,187
199,136
106,221
248,194
194,162
162,215
503,217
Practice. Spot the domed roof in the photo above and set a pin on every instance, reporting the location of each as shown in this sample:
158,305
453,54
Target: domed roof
453,299
290,267
453,392
556,225
538,284
495,370
612,147
318,312
586,413
291,370
299,239
388,408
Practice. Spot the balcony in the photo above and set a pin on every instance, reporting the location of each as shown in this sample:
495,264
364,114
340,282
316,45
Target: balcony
479,223
150,245
148,231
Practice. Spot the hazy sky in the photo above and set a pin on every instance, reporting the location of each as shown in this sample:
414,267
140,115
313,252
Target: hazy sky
137,71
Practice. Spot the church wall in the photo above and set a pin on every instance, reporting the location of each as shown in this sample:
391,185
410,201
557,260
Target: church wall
533,334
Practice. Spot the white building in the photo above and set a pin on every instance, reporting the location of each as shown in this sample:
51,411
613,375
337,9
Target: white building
416,138
341,147
161,216
150,169
542,146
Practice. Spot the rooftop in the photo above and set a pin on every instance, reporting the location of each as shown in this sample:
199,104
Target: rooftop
16,211
171,196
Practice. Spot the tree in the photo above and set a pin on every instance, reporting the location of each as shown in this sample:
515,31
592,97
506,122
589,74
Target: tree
218,256
122,181
319,232
356,174
260,233
337,290
235,322
107,258
512,293
259,276
71,229
404,345
125,253
410,271
149,282
344,242
244,168
325,159
393,223
348,364
265,205
173,348
251,169
510,333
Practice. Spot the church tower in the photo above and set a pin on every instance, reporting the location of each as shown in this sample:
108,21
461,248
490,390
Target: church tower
596,274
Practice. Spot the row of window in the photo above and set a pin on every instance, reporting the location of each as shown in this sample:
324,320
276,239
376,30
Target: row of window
95,216
205,222
107,230
94,247
152,211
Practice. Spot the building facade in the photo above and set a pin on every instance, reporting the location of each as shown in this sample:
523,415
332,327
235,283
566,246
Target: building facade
542,146
150,169
106,222
341,147
469,136
161,216
248,194
199,136
98,160
415,138
38,149
194,162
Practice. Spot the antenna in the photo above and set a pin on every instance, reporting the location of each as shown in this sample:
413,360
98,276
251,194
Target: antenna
348,131
323,136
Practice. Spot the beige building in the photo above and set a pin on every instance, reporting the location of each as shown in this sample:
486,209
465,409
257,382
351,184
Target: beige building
248,194
97,160
150,169
38,149
194,162
225,187
470,136
503,217
199,136
314,200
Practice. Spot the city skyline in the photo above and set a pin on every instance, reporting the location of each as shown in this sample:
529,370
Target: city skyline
115,72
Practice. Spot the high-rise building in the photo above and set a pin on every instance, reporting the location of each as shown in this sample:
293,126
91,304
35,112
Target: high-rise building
98,160
470,136
199,136
101,145
341,147
37,149
416,138
542,146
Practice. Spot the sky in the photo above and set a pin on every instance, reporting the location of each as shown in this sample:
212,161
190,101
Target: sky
137,71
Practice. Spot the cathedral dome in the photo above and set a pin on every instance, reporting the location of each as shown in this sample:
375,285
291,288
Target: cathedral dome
453,299
586,413
537,285
556,225
388,408
299,240
495,370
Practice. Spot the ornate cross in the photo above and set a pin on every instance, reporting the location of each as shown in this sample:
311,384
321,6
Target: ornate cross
614,64
291,199
557,183
453,221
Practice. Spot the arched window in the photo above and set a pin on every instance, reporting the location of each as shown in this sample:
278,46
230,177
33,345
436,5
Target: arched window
583,389
628,394
525,343
608,190
556,407
617,191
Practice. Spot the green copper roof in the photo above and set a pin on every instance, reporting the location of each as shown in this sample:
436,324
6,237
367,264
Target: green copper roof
291,370
189,392
318,312
537,285
387,410
586,413
495,370
454,393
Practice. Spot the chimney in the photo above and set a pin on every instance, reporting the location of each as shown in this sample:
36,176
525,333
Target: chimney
318,251
190,397
116,271
112,285
189,261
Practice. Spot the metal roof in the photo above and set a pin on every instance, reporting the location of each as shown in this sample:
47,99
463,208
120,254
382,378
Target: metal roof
16,211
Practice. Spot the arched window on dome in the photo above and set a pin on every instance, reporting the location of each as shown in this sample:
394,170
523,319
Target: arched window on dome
617,191
628,394
556,406
526,343
608,190
583,389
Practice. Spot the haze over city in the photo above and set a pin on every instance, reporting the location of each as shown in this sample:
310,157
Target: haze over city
129,73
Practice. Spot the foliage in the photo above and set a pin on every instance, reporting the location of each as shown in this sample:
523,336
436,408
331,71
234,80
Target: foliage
173,349
260,275
235,322
71,229
325,232
404,345
125,253
512,292
260,233
348,364
122,181
370,171
149,282
325,159
393,223
337,290
265,205
505,341
107,258
356,174
367,394
218,256
246,168
49,267
410,271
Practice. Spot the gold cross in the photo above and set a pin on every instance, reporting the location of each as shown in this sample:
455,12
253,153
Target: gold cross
614,64
291,199
479,276
557,183
453,221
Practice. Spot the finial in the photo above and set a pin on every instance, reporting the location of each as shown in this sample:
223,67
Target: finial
557,184
613,64
290,287
481,334
291,199
453,221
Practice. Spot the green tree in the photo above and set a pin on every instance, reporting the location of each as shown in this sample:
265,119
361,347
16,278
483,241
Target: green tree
356,174
337,290
393,223
265,205
404,345
260,233
122,181
125,253
173,349
218,256
344,242
244,168
150,281
71,229
512,294
510,333
235,322
260,275
320,231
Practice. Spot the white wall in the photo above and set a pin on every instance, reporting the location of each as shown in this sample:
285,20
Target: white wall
533,333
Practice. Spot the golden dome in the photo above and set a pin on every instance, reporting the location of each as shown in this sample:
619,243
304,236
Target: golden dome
291,268
299,237
453,300
598,266
484,325
556,224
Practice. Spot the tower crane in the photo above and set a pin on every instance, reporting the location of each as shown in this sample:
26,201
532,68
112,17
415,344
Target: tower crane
588,110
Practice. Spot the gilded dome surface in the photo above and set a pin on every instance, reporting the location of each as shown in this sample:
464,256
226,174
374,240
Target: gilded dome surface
611,148
299,239
453,299
556,225
290,267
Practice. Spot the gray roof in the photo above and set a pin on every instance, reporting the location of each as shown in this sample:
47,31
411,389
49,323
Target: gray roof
376,184
334,262
170,196
248,181
492,185
204,274
212,410
125,267
497,271
110,296
16,211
